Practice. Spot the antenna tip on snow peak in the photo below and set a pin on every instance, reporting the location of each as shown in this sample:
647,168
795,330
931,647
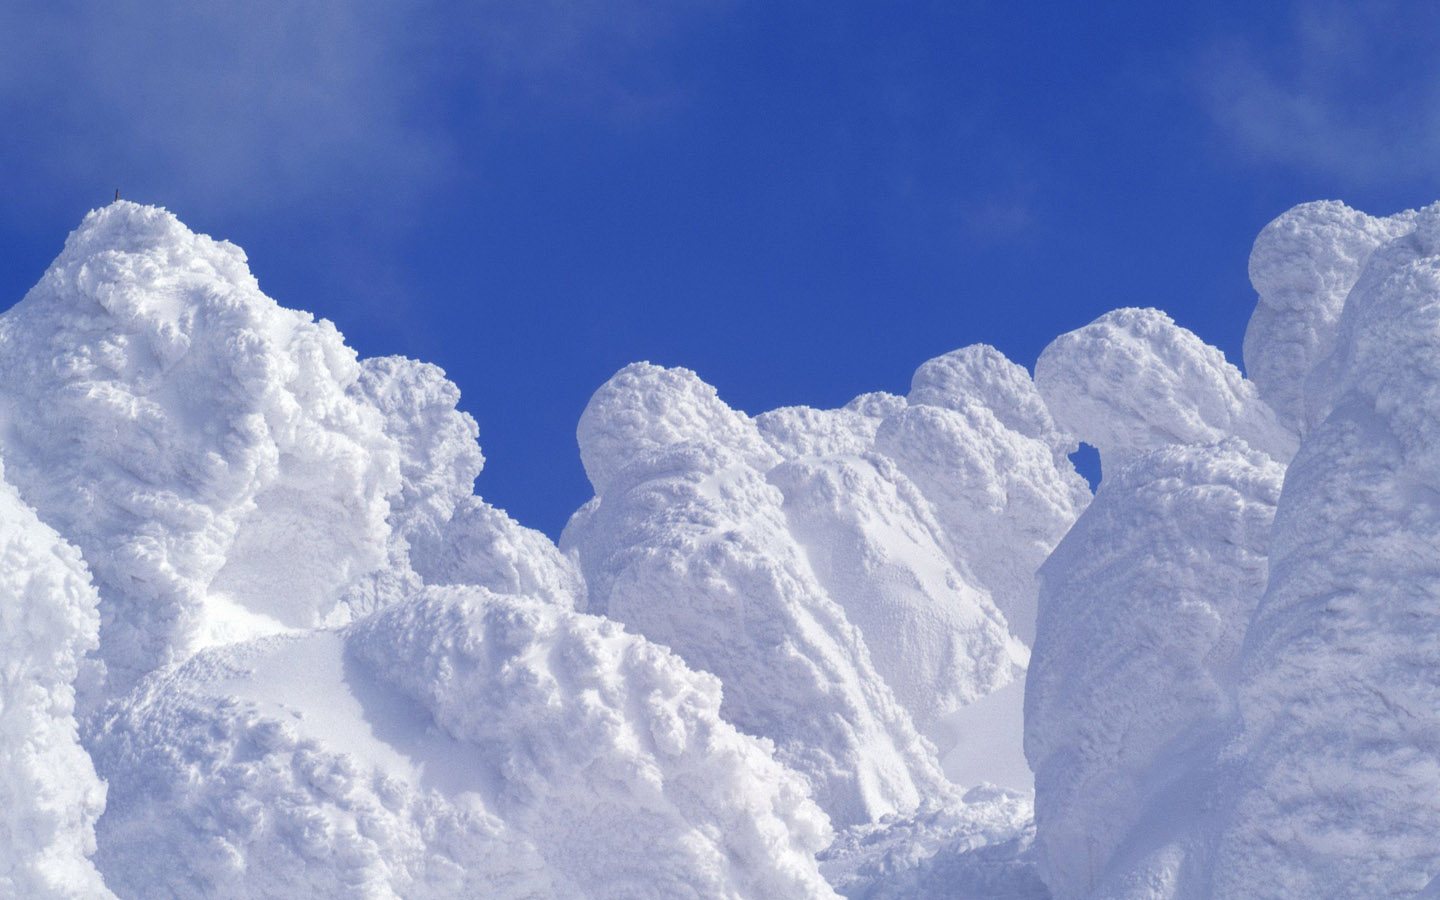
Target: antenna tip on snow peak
117,195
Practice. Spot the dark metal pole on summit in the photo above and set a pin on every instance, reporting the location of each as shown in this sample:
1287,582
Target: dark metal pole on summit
117,195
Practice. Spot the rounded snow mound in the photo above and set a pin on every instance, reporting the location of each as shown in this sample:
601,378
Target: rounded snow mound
1303,267
459,743
643,408
981,374
1133,380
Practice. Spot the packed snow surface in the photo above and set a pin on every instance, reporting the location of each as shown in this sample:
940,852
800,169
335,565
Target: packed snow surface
263,640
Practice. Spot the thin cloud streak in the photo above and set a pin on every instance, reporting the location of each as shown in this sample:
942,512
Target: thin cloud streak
274,105
248,107
1349,93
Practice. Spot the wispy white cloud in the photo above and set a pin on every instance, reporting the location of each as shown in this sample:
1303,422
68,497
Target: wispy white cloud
1347,90
248,105
274,105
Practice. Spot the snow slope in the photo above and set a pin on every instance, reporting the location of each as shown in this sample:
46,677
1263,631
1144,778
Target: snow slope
694,522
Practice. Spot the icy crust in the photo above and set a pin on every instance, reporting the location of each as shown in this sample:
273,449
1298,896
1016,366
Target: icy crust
1143,610
439,456
980,848
1133,380
460,743
50,795
199,444
441,534
797,431
1335,789
483,546
1303,266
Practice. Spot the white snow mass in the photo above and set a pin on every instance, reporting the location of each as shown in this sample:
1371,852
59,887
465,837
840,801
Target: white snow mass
262,640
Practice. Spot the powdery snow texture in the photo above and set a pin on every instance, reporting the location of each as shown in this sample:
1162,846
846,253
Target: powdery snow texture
241,486
1233,686
497,746
50,796
247,583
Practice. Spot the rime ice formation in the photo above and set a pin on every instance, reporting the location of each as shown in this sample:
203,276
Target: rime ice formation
49,793
1232,690
198,443
1303,267
459,743
1133,380
1145,602
1334,790
263,640
842,571
1143,611
323,666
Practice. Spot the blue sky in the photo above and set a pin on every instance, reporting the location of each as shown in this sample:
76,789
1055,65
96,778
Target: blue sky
801,201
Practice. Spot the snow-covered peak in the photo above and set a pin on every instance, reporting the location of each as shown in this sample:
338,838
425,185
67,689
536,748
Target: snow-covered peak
200,444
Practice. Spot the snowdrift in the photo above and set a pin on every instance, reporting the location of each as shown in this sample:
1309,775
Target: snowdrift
263,640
